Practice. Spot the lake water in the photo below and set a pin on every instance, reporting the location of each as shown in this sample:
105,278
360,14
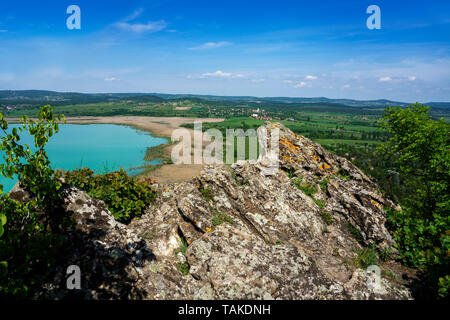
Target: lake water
101,147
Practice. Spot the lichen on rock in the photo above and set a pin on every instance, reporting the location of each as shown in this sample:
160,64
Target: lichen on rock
278,237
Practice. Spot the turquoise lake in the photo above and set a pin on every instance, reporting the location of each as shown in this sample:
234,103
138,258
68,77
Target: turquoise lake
101,147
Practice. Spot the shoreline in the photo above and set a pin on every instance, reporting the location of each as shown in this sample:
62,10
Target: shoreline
161,127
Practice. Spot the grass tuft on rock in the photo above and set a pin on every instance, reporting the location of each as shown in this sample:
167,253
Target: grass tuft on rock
219,218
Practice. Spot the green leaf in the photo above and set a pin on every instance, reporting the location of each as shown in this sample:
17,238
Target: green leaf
3,269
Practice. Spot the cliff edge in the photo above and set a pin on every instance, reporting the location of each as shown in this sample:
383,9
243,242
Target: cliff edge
236,232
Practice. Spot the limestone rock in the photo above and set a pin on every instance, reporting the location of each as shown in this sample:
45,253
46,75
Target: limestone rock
256,236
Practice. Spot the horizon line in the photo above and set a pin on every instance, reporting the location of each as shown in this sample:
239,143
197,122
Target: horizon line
219,95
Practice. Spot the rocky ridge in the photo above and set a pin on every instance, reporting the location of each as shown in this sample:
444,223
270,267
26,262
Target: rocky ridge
236,232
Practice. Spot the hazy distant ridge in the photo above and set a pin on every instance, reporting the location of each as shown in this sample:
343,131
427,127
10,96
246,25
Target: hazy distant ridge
61,98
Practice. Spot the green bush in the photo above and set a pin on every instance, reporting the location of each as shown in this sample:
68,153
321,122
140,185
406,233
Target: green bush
29,238
444,286
123,195
27,248
420,147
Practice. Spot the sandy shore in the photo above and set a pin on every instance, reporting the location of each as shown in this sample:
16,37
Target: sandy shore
159,127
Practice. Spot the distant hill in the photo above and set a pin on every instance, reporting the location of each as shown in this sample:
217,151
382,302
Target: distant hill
39,97
348,102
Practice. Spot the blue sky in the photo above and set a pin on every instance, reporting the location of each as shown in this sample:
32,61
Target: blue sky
261,48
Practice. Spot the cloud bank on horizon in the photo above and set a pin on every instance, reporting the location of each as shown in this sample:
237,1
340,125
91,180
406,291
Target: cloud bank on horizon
258,48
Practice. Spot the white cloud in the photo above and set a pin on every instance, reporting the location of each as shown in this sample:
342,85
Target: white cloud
384,79
111,79
258,80
412,78
211,45
151,26
301,84
310,77
217,74
346,86
134,15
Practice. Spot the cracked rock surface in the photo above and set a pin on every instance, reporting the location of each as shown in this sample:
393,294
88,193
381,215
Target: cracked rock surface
249,235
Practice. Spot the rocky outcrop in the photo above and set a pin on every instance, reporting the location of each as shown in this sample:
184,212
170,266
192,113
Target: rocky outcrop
235,232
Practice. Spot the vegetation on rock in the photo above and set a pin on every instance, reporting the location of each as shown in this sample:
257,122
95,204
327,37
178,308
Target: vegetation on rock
29,240
32,231
268,208
124,196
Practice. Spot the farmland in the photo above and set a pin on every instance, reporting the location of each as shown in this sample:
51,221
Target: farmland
346,127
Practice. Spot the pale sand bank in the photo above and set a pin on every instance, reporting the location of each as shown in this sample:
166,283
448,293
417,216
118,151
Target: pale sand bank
159,127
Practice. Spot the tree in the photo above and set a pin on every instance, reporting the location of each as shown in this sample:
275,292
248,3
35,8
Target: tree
420,146
28,244
32,169
34,233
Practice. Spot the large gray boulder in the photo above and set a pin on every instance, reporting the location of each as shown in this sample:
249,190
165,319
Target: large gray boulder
249,235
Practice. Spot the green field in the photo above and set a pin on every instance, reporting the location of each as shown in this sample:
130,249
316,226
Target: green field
320,127
347,130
